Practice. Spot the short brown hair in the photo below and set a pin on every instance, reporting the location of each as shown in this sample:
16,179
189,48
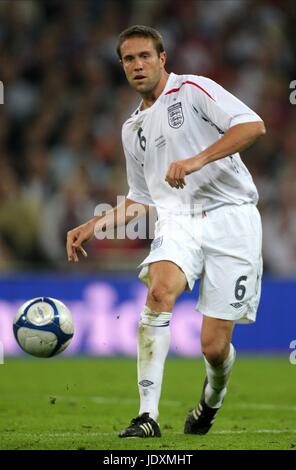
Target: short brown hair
144,31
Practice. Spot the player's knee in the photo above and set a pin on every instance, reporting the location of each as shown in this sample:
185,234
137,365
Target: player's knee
215,352
160,297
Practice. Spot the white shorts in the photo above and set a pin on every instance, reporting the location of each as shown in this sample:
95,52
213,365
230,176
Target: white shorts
223,249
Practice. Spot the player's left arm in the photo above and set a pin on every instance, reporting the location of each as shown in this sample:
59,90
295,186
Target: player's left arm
235,139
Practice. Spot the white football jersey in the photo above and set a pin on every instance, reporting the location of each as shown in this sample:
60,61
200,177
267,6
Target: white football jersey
192,113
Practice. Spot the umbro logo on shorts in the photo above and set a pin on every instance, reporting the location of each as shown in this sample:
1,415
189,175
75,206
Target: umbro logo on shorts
237,305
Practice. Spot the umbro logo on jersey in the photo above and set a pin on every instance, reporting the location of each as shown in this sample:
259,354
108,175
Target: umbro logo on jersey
237,305
175,115
157,242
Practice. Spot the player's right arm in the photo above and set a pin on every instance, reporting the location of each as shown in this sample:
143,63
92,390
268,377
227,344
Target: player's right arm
118,216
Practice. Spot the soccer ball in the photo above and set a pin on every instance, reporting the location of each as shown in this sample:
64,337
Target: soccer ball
43,327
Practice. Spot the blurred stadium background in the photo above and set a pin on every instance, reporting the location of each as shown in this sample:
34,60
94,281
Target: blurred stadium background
65,99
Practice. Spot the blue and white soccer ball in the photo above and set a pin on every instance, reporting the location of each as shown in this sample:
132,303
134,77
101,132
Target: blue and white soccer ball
43,327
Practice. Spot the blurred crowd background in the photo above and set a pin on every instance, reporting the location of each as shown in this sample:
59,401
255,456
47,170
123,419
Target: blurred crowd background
65,99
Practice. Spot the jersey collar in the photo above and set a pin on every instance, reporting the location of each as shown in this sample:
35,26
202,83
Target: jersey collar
168,85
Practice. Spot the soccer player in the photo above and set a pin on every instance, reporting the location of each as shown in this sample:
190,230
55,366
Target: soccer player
181,147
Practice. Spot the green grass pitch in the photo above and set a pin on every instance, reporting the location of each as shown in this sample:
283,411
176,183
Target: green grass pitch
82,403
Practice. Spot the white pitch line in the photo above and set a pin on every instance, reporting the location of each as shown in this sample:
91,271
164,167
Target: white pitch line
128,401
131,401
112,401
255,431
98,434
265,406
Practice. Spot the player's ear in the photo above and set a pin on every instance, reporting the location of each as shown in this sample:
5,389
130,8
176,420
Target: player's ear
163,58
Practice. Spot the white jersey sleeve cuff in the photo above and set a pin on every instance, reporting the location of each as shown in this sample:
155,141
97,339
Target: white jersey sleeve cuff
244,118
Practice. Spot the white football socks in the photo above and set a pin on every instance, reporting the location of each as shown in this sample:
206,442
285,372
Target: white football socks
153,346
217,380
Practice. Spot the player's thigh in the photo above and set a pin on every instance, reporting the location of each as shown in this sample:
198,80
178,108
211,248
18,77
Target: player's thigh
174,253
167,277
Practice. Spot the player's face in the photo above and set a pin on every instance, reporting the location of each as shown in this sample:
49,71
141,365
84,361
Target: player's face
142,65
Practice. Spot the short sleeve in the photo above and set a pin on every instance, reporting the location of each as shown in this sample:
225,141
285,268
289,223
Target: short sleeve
218,105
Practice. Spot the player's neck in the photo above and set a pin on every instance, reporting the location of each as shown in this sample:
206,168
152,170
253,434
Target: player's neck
150,98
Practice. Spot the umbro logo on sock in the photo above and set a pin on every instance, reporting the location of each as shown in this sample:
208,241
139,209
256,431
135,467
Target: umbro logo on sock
145,383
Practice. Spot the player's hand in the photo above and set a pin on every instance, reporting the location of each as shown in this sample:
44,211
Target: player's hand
76,237
178,170
176,173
